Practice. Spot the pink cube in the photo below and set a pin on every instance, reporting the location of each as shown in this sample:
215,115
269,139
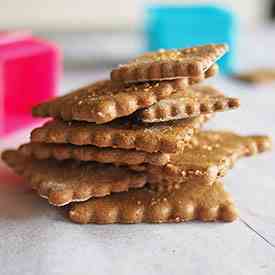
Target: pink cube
29,73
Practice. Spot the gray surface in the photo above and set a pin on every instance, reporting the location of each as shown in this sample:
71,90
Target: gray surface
37,239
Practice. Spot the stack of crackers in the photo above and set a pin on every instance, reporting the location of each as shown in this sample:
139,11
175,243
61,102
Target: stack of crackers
131,149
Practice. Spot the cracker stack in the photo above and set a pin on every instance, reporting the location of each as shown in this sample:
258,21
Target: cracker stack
130,149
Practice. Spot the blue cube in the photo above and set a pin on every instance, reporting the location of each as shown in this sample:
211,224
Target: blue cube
182,26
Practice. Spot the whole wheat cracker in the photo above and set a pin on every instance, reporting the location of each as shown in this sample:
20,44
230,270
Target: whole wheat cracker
188,81
105,100
68,181
170,64
122,133
210,155
188,102
189,202
92,153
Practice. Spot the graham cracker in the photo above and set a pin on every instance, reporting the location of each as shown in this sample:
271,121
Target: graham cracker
207,158
69,181
106,100
189,202
92,153
170,64
188,102
125,134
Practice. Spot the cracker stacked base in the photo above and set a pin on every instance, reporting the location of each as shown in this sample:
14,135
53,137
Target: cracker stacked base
131,149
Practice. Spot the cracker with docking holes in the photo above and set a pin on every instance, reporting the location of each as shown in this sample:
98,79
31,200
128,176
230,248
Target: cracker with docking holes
122,133
170,64
257,76
68,181
105,100
189,202
188,102
208,157
92,153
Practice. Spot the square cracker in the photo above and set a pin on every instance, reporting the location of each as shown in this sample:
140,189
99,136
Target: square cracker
210,156
106,100
189,202
125,134
92,153
188,102
170,64
68,181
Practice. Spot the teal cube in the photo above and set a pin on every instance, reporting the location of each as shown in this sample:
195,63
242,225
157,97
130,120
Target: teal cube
181,26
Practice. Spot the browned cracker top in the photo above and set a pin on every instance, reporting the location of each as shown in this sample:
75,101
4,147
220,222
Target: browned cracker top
188,102
67,181
106,100
170,64
209,157
158,137
190,202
